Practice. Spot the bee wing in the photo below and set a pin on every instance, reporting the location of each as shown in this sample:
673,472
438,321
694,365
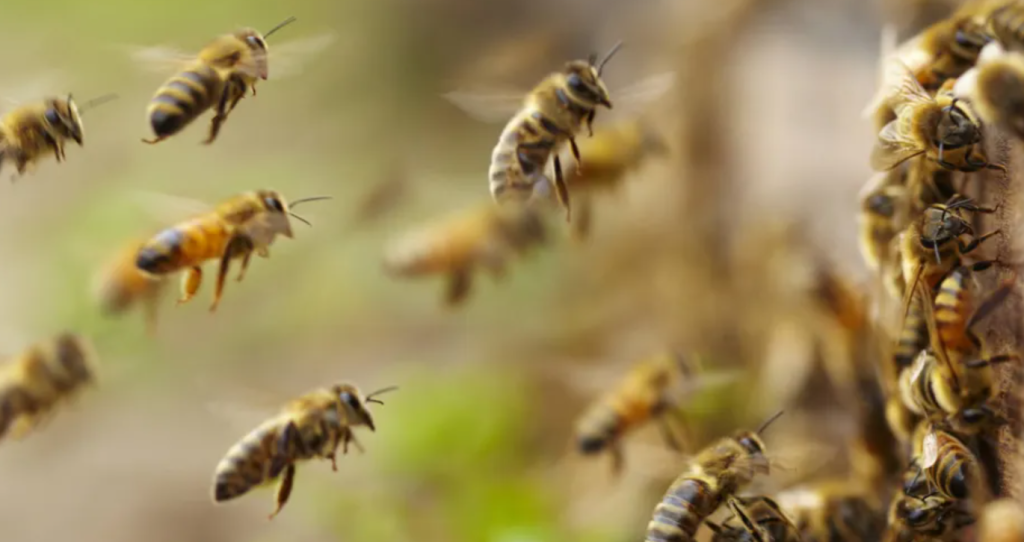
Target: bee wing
795,462
167,208
628,101
290,58
490,106
33,89
929,450
159,58
388,193
902,89
892,148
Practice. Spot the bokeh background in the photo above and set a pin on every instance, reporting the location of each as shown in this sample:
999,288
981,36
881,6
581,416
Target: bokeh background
699,250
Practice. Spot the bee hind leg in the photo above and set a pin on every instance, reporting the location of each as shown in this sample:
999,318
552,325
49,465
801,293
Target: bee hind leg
974,243
562,189
284,490
218,118
459,284
190,282
237,245
154,141
245,265
590,122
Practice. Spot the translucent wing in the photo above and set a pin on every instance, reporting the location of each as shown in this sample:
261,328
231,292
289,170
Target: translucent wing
902,89
50,83
488,106
159,58
166,208
929,450
633,98
892,148
290,58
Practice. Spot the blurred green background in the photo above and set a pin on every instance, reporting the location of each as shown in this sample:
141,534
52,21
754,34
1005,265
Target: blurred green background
477,443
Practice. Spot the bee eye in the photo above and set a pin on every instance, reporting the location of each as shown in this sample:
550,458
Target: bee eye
255,42
575,82
751,445
52,116
350,400
273,204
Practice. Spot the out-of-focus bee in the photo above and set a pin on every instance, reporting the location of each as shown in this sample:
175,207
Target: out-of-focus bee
237,228
714,477
311,426
951,46
45,375
937,128
611,154
1001,521
882,216
947,463
995,88
649,392
1006,24
838,510
121,285
35,130
918,514
486,236
219,76
755,519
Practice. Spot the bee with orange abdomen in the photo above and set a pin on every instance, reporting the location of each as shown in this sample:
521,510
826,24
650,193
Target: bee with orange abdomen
714,477
120,285
311,426
219,77
486,236
39,379
35,130
647,393
237,228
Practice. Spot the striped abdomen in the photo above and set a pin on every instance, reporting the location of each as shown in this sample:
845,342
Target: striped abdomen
185,245
914,336
598,428
952,471
951,310
183,98
518,160
259,457
687,503
15,403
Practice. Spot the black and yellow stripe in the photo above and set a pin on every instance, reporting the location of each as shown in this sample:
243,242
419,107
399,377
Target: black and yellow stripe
183,98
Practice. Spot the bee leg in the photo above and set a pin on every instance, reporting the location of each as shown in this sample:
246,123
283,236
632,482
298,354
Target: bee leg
459,283
237,245
190,282
245,265
220,116
590,122
618,460
562,189
968,247
154,141
351,437
575,153
284,489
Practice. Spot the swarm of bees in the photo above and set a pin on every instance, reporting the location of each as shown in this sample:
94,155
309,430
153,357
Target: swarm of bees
920,465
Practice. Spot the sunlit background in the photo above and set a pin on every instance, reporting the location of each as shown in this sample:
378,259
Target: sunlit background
698,250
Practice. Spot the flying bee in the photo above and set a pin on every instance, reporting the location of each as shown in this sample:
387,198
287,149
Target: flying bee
917,514
937,128
39,379
311,426
835,510
612,153
714,477
647,393
486,236
1001,520
948,464
218,77
32,131
120,285
757,520
552,114
237,228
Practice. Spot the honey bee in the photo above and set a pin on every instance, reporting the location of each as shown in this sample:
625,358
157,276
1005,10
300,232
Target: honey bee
611,154
237,228
716,474
120,285
311,426
756,519
995,88
918,514
39,379
1001,520
486,236
32,131
1006,25
948,464
219,76
881,216
834,510
645,394
937,128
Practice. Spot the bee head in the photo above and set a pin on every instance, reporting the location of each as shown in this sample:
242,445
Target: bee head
956,129
352,404
585,84
754,447
275,204
941,226
257,45
880,204
64,118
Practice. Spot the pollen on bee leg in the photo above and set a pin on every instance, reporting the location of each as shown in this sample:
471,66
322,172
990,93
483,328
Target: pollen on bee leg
190,282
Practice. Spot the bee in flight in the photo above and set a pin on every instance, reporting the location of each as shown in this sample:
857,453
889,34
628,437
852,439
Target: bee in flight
218,77
648,393
32,131
311,426
39,379
714,477
552,114
237,228
938,128
486,236
120,285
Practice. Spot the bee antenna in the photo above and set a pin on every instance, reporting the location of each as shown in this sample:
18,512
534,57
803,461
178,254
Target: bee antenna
769,421
96,101
370,397
279,26
607,57
300,219
304,200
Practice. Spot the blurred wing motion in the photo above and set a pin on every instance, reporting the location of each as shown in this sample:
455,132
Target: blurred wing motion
290,58
500,105
32,89
384,196
166,208
160,59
